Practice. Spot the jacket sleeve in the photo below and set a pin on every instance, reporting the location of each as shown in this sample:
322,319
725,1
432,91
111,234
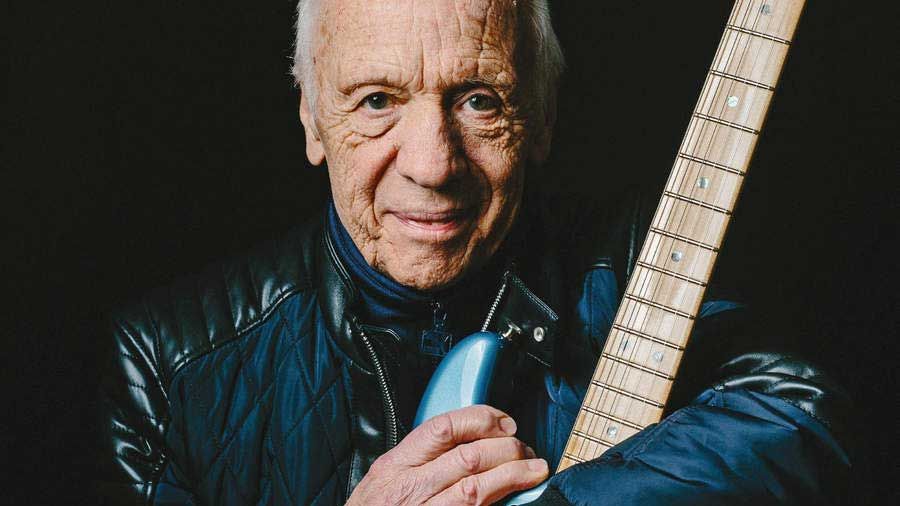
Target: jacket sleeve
133,417
766,430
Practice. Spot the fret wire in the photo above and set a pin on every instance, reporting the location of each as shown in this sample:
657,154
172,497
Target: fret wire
727,62
759,34
593,439
742,11
595,411
696,202
712,164
681,184
637,366
636,397
735,42
741,7
581,446
701,226
726,123
765,72
654,255
667,272
684,239
753,102
739,79
723,187
610,373
659,306
709,144
646,336
572,457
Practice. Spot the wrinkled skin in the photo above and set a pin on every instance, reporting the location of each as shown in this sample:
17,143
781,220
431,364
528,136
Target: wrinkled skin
426,125
466,456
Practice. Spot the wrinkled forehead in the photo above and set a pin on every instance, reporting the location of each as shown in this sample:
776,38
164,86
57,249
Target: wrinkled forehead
416,43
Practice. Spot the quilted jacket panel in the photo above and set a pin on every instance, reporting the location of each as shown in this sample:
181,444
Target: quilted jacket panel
267,415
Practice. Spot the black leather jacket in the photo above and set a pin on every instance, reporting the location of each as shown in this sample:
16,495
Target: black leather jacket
196,397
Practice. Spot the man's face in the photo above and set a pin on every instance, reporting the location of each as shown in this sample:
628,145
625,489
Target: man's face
426,124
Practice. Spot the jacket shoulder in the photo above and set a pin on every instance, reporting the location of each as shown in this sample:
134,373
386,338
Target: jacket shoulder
175,324
160,333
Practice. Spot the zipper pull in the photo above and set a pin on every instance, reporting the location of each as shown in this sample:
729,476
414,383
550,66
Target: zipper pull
436,341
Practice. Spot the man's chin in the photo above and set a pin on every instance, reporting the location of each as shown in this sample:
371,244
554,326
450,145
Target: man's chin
428,271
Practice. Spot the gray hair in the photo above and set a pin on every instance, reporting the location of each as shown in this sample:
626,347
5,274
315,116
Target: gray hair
546,71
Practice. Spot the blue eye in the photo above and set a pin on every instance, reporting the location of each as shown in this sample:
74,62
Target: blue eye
481,102
376,101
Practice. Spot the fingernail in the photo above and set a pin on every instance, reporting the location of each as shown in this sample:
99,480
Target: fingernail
529,452
508,425
538,465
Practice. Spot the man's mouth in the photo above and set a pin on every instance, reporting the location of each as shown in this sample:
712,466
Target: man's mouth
434,226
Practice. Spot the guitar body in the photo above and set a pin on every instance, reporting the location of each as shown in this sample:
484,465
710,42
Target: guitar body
464,378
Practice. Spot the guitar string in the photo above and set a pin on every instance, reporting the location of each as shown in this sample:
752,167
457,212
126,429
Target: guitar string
624,339
614,367
715,90
755,63
720,113
710,94
784,20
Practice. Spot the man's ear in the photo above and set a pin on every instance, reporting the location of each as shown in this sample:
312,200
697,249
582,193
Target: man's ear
315,151
540,148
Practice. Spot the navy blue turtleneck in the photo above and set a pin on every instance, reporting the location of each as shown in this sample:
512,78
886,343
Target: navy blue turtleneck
422,320
426,324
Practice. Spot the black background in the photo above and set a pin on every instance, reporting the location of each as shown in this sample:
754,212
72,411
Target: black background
143,141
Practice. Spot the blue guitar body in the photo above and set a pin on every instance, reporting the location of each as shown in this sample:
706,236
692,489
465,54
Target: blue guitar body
465,377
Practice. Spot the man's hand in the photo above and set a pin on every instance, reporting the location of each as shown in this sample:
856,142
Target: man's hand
466,456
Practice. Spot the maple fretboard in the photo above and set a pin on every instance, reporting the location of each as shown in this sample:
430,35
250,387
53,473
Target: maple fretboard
640,359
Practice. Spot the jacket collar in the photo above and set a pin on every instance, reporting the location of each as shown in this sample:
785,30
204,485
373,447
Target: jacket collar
517,306
337,293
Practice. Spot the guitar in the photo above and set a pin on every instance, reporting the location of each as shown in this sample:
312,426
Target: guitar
648,338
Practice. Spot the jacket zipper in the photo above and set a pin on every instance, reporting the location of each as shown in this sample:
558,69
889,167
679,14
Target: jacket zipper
387,400
496,303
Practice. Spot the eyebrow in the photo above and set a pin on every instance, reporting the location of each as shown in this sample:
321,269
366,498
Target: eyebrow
349,89
466,84
488,81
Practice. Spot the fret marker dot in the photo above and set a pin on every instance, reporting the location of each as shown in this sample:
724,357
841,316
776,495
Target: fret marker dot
766,9
733,101
677,256
612,431
703,183
658,356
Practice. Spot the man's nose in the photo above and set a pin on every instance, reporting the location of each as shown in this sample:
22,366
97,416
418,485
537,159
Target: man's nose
430,153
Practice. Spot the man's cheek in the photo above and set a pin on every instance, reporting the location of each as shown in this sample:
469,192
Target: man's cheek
497,169
359,196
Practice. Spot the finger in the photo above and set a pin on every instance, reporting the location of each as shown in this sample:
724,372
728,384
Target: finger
472,458
491,486
443,432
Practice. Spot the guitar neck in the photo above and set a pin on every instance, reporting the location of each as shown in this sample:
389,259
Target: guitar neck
640,359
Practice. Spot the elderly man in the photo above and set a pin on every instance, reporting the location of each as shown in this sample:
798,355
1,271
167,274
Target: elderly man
291,376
